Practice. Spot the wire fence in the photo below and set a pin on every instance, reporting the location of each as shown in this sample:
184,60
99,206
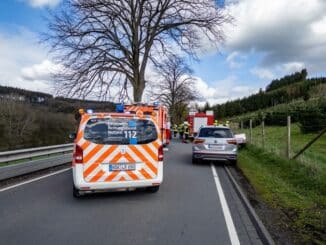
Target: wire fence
286,141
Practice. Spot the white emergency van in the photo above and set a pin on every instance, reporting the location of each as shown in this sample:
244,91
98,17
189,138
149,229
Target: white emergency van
117,151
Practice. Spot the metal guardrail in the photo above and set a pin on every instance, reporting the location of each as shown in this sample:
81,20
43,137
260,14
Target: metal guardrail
16,170
29,166
8,156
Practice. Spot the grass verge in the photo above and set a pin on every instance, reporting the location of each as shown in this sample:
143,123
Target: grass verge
276,138
297,190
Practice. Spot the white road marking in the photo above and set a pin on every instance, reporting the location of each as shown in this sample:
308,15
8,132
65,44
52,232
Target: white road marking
226,211
165,149
35,179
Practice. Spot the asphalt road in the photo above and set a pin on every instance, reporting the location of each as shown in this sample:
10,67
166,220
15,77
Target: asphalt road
186,210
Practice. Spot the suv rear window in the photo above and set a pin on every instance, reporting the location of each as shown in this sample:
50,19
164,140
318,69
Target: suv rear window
215,133
120,131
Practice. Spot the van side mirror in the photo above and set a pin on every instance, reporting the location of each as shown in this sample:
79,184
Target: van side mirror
72,136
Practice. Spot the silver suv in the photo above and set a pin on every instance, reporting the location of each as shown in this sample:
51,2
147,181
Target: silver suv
215,143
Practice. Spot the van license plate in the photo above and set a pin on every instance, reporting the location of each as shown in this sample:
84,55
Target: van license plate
122,167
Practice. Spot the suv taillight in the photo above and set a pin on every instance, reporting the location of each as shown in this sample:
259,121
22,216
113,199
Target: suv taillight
198,141
232,141
78,155
160,153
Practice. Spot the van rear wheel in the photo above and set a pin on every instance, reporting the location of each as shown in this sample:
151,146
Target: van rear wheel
76,193
153,189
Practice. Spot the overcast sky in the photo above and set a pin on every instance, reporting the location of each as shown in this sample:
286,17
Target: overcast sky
268,40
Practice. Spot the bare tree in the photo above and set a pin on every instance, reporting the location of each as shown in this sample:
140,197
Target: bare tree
176,88
109,43
17,121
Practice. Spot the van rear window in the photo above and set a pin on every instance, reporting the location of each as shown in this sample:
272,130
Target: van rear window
120,131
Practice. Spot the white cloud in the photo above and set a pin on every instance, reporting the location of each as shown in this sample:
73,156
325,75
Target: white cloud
262,73
283,31
23,62
235,60
43,3
42,71
292,67
222,90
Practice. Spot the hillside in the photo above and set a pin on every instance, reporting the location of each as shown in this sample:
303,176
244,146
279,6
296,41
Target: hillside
31,119
284,92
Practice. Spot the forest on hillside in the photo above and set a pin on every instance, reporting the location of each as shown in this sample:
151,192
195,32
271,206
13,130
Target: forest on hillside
31,119
295,95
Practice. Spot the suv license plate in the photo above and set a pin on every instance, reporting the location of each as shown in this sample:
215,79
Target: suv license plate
122,167
216,147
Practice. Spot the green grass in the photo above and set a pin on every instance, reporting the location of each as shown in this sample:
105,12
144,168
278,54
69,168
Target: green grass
276,138
295,188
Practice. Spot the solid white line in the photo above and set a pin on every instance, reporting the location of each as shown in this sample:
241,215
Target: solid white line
35,179
226,211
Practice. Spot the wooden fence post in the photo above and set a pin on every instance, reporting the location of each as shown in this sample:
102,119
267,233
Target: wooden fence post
241,125
288,150
250,133
263,133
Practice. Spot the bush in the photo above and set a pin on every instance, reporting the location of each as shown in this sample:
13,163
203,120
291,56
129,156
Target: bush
312,118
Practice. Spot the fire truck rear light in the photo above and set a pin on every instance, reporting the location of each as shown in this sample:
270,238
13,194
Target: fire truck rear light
198,141
160,153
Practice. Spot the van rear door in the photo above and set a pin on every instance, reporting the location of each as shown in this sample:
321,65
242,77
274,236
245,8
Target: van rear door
120,149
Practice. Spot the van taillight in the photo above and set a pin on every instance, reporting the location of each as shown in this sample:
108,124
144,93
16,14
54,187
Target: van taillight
160,153
78,154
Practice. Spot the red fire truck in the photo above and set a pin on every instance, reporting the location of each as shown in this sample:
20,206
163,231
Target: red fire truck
159,114
196,120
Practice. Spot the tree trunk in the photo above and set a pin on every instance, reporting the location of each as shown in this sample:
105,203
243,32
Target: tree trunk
139,88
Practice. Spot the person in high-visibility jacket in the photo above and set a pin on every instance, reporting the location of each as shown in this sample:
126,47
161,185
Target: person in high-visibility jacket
186,131
181,130
216,123
227,123
175,130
